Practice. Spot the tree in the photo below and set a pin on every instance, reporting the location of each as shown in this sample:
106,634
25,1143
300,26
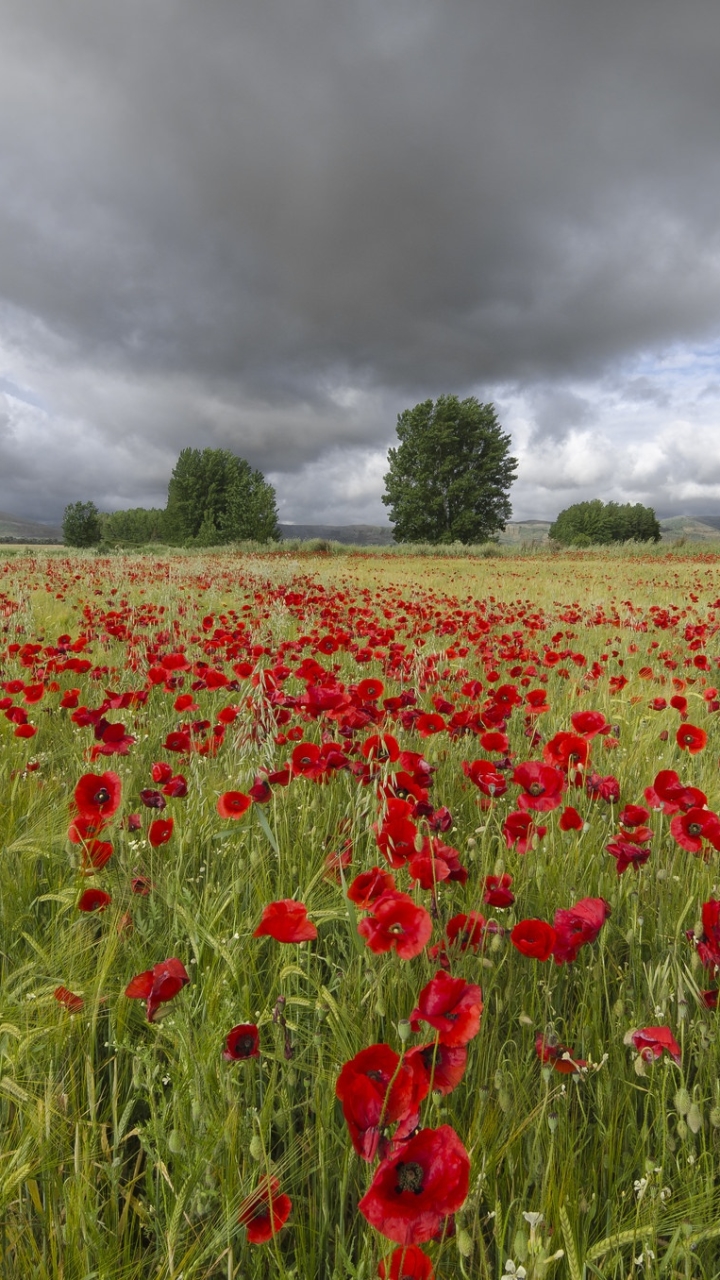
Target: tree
599,522
81,525
135,526
450,475
215,497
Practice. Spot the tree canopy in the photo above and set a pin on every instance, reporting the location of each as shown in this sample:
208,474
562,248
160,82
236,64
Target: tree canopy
216,497
586,523
450,475
81,526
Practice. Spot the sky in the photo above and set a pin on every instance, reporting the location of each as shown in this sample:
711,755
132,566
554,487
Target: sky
271,226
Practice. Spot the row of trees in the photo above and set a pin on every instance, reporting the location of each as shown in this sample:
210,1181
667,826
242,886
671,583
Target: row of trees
213,498
448,481
586,523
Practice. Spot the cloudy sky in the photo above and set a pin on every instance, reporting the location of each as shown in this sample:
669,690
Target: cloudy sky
271,225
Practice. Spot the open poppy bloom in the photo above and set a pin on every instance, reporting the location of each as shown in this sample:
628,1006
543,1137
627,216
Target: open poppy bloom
651,1042
627,854
694,826
570,819
568,751
370,885
97,796
557,1056
94,900
160,831
533,938
158,985
442,1064
264,1212
398,924
452,1006
589,723
520,831
233,804
242,1042
486,777
377,1089
709,943
415,1190
690,738
577,926
286,921
408,1263
542,785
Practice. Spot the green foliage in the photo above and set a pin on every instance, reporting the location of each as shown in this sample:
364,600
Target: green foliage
215,497
450,475
81,524
588,523
136,526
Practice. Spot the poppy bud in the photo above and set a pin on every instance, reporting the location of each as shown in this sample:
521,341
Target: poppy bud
404,1030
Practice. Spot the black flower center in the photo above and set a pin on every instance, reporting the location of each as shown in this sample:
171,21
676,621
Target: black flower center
102,796
410,1177
244,1045
536,788
694,829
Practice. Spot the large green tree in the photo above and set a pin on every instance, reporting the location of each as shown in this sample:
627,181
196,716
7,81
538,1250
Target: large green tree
215,497
450,474
81,526
585,523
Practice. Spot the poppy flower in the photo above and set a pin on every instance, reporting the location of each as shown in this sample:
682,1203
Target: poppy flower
98,795
242,1042
380,748
486,777
176,787
428,870
567,751
233,804
627,854
497,892
160,831
96,853
652,1041
589,723
286,921
533,938
443,1064
94,900
577,926
396,923
141,886
633,815
406,1263
690,829
466,931
570,819
557,1056
542,785
152,799
520,831
161,772
415,1190
671,795
72,1002
158,985
265,1211
602,788
397,833
690,738
370,885
709,941
377,1088
452,1006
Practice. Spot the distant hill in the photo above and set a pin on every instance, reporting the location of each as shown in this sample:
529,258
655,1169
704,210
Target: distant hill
360,535
693,528
28,530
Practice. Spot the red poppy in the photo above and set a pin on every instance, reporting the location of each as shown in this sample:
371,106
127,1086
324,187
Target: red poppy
161,772
519,830
452,1006
371,689
497,892
690,738
69,999
589,723
152,799
671,795
443,1064
141,886
377,1088
158,985
396,923
533,938
381,748
578,926
242,1042
369,886
98,795
602,788
543,786
486,777
160,831
427,869
286,921
633,815
466,931
406,1263
690,829
396,836
567,751
709,942
265,1211
176,787
652,1041
570,819
560,1058
415,1190
96,853
233,804
94,900
627,853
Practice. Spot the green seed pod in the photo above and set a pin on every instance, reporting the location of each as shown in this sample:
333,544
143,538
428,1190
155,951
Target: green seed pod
256,1147
682,1130
176,1142
715,1117
404,1030
682,1102
694,1118
552,1121
464,1244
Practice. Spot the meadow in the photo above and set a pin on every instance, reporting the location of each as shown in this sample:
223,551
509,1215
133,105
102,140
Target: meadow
359,915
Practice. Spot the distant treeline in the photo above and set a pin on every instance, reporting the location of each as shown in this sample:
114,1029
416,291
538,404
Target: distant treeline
591,523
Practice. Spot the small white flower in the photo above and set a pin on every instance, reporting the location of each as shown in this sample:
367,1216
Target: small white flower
533,1219
512,1272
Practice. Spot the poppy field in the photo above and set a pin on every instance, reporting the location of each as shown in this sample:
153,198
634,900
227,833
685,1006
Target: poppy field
360,916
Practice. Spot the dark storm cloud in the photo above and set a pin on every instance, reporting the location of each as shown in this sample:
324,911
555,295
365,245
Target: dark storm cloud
271,226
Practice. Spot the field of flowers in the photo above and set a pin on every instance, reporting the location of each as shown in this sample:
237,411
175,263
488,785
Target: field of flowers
359,916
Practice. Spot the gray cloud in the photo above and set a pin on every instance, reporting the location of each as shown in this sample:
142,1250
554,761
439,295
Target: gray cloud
273,226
